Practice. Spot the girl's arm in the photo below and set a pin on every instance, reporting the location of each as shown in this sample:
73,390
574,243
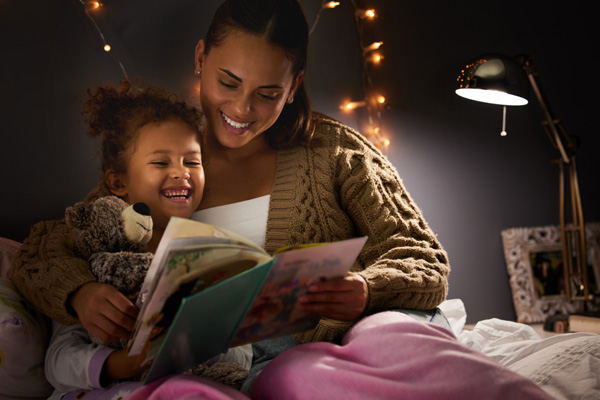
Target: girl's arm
72,361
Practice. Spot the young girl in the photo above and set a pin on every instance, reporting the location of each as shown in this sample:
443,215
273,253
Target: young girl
150,146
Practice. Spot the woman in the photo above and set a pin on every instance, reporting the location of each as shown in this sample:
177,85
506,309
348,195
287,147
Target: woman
310,178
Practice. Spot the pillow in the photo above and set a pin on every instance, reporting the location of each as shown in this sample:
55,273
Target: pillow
8,248
24,335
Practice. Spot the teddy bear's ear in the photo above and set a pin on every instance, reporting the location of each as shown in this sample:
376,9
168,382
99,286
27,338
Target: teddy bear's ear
75,215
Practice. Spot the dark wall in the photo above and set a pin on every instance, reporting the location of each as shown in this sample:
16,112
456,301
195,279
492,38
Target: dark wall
468,180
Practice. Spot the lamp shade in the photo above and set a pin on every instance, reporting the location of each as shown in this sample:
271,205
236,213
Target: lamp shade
495,79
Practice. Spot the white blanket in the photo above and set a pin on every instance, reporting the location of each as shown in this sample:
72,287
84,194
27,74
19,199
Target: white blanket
567,366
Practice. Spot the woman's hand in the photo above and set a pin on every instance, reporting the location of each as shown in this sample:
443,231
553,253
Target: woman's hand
343,299
104,311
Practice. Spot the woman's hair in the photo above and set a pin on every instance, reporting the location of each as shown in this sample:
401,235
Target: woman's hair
283,24
116,114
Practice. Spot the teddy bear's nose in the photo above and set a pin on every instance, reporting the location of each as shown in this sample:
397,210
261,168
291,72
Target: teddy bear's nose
141,208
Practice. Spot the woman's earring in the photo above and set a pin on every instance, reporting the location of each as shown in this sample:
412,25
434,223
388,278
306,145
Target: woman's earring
290,99
198,72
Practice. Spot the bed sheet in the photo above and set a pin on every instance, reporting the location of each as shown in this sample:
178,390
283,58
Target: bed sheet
566,366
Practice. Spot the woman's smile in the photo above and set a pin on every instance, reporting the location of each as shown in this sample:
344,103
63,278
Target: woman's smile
239,127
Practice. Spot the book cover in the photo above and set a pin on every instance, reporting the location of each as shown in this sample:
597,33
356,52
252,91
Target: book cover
209,289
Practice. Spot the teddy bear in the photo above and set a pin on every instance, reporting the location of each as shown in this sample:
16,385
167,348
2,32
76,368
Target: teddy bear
112,235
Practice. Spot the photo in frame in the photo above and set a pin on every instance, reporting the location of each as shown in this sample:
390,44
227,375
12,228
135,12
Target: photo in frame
534,262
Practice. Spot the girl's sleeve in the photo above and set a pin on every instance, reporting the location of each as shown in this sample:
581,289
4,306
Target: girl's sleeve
47,271
73,362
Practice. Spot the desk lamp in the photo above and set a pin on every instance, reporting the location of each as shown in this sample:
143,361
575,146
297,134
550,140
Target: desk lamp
506,81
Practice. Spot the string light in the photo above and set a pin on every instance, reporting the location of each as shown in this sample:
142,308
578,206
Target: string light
373,102
373,46
371,56
351,105
325,5
95,5
330,4
364,14
374,58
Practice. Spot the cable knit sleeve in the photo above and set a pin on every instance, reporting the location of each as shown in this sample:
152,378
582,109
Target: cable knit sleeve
47,272
403,263
343,187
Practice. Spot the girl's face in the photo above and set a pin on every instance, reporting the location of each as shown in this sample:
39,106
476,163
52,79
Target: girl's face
246,82
164,171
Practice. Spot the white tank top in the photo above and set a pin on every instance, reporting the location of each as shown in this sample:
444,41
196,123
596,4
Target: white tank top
247,218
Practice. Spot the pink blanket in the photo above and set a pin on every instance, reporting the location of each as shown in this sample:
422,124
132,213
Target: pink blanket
385,356
391,356
186,387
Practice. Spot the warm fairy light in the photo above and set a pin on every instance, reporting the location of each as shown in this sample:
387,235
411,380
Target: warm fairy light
351,105
330,4
368,14
372,46
107,47
94,4
375,58
380,99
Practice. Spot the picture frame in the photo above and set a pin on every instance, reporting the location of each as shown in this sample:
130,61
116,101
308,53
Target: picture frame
534,260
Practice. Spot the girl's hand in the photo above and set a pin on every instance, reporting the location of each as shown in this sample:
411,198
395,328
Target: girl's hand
104,311
343,299
119,366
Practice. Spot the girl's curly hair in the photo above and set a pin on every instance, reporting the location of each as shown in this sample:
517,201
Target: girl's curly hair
116,114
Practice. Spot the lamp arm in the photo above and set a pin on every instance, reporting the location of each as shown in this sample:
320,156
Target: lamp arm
527,63
573,236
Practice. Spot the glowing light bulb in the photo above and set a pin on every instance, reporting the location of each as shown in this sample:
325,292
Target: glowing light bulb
375,58
107,48
351,105
380,99
330,4
369,14
372,46
94,4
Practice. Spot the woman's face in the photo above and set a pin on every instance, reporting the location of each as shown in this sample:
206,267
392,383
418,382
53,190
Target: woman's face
246,82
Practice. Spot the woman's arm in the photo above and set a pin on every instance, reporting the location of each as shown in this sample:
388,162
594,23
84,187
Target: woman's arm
53,278
47,272
347,188
402,262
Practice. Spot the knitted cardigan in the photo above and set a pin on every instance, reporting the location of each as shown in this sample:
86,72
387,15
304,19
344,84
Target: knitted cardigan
340,188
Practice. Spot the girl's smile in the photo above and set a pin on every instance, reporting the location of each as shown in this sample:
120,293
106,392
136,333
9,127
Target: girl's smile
165,171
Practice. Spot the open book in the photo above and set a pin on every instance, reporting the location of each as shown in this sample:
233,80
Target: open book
209,289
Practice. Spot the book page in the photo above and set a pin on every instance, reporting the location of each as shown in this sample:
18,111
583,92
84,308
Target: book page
179,228
205,323
190,257
274,312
